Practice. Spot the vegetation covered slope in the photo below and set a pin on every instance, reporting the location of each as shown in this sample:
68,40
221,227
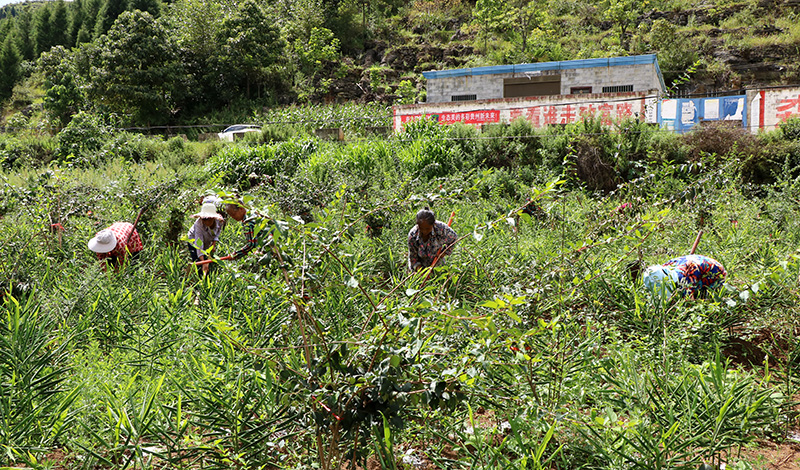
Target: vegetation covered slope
153,62
531,348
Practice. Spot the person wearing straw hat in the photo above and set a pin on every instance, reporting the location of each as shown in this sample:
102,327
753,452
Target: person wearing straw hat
204,233
692,275
115,243
218,204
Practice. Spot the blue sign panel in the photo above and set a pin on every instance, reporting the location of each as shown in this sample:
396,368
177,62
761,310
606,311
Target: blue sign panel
682,114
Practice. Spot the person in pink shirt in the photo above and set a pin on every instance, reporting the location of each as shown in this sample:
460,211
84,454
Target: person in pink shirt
116,243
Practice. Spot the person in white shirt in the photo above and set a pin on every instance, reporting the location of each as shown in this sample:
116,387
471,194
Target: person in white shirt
204,234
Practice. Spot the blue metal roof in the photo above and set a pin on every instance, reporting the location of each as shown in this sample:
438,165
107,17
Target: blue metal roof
542,66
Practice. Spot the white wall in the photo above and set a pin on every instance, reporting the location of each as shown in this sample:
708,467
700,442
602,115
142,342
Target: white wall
766,109
540,111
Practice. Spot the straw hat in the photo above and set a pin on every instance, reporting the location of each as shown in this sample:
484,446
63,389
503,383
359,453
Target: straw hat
103,242
208,211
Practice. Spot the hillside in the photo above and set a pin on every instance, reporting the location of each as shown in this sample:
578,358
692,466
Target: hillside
210,60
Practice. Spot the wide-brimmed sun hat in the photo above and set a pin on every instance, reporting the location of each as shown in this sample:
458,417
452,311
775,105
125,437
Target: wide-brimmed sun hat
208,211
103,241
660,279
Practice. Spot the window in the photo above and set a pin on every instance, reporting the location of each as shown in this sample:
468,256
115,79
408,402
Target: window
544,85
463,97
617,88
580,90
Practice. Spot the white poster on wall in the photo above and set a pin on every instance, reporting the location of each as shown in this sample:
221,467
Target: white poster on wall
651,110
688,112
711,109
669,109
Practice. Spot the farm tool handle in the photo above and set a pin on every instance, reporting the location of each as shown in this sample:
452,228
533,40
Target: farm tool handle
130,234
696,242
211,260
452,217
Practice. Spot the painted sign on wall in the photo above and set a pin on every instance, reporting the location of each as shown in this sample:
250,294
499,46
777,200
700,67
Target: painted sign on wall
681,115
541,116
769,108
539,111
468,117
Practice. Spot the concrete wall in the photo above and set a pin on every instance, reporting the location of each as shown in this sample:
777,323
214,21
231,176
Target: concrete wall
484,87
767,109
540,111
643,77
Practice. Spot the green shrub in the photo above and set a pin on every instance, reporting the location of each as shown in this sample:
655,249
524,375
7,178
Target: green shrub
790,130
131,148
26,151
81,138
507,145
245,166
427,151
282,132
666,146
720,139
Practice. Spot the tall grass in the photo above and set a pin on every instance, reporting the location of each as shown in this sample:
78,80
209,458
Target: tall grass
531,347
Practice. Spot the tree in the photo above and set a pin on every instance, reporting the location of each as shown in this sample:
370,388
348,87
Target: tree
196,26
623,14
59,25
675,52
488,14
108,13
9,67
321,46
22,35
515,20
251,45
76,18
151,6
135,70
40,30
63,96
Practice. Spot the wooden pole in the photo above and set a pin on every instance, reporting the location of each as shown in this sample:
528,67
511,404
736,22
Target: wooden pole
141,211
696,242
207,261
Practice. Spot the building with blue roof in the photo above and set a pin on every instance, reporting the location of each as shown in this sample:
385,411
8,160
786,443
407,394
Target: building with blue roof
638,74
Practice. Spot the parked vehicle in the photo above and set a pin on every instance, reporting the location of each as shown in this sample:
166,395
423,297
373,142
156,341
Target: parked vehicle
236,131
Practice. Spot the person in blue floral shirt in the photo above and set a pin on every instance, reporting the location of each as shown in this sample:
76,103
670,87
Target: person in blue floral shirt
429,239
692,275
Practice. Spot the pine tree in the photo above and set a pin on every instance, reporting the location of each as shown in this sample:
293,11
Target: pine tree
151,6
40,30
59,25
22,35
9,67
77,15
109,11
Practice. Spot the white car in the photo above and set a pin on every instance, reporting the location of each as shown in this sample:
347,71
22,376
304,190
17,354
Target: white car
236,131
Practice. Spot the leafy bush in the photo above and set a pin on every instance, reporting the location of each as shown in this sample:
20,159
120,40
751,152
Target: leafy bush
82,138
26,151
426,152
506,146
790,129
246,166
721,140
